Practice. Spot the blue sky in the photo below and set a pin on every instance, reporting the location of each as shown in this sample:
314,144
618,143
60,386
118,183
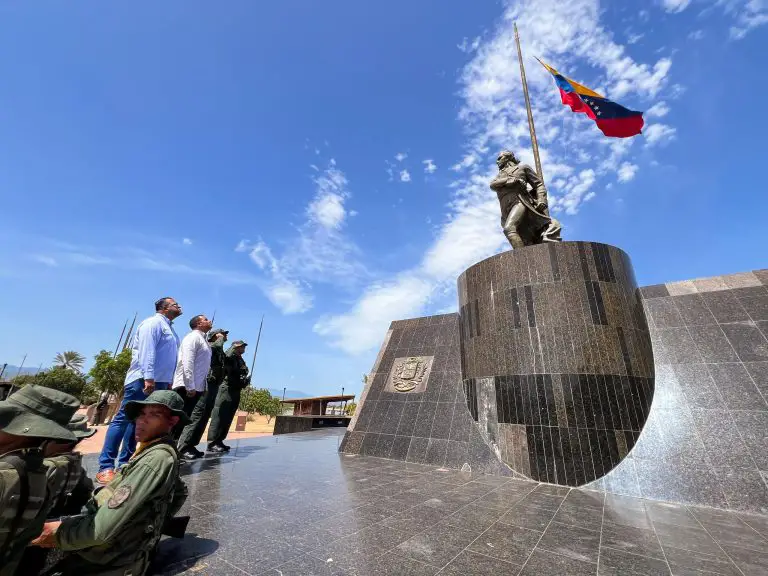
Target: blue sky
326,164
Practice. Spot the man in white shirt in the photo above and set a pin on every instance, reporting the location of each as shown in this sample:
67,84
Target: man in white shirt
192,366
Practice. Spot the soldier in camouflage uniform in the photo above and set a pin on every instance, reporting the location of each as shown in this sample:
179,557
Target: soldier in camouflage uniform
228,399
69,487
121,526
201,414
29,419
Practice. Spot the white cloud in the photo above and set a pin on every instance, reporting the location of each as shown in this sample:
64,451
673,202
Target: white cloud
658,110
674,6
327,208
658,134
468,45
405,176
466,162
319,251
568,35
634,38
47,260
400,156
696,35
429,166
627,171
186,241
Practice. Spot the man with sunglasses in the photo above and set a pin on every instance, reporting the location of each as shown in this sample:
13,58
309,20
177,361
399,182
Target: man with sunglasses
154,349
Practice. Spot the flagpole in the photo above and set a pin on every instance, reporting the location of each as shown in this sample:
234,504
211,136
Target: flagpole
120,340
534,142
130,331
256,349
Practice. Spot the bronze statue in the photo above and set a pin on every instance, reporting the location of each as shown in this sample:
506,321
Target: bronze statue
524,213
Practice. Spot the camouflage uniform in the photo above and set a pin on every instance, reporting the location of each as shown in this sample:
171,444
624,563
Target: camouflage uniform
228,398
122,522
37,412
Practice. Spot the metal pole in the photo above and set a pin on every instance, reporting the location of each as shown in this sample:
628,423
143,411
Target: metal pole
3,370
119,340
258,339
10,391
22,365
342,401
213,317
283,393
534,142
39,368
130,331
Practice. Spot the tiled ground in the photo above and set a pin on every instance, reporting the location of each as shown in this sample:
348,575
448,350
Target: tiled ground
290,505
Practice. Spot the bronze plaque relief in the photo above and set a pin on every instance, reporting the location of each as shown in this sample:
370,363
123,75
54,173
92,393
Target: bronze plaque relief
409,374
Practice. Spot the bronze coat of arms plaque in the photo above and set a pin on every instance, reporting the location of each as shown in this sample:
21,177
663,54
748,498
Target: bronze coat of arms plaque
409,374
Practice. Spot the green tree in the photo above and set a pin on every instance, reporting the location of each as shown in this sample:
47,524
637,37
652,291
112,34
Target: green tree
261,401
108,373
70,359
349,409
61,378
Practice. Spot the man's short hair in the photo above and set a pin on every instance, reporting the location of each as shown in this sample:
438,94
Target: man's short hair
195,321
162,304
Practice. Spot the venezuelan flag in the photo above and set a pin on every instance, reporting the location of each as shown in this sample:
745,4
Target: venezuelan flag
612,119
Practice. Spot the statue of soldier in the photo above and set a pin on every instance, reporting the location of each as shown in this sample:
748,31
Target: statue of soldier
228,398
29,420
524,214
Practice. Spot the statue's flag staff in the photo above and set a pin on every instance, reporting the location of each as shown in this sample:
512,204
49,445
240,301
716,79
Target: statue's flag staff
534,141
611,118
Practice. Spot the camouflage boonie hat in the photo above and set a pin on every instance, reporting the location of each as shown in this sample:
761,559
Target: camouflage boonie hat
212,334
167,398
237,343
79,427
39,412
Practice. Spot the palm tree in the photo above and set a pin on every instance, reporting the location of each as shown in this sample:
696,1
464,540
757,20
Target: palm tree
70,359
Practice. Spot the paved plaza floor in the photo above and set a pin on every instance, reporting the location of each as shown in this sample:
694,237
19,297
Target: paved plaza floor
291,505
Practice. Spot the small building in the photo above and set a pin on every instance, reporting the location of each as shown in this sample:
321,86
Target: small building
311,413
317,406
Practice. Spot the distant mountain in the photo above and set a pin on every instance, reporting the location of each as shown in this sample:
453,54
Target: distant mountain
11,371
288,393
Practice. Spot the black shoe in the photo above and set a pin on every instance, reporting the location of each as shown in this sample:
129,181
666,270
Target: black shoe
190,455
224,446
199,453
216,449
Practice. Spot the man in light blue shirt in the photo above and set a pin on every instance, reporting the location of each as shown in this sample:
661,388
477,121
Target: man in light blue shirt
154,349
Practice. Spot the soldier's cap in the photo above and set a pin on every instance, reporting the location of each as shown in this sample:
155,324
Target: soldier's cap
212,334
238,343
39,412
78,425
167,398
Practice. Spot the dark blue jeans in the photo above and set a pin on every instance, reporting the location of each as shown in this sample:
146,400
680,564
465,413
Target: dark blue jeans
121,430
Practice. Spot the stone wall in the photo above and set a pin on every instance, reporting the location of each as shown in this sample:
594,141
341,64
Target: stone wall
706,440
431,426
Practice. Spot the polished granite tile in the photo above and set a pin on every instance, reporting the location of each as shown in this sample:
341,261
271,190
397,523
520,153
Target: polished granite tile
509,543
687,563
616,563
473,564
633,540
750,562
571,541
436,546
527,516
291,505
